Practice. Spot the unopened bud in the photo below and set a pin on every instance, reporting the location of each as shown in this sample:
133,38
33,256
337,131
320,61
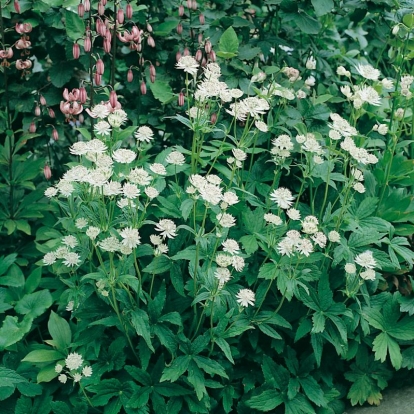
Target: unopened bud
104,2
87,44
201,19
139,47
199,55
194,5
17,6
213,56
186,52
152,78
181,99
37,110
52,113
87,5
32,128
42,100
47,172
152,70
151,41
149,28
100,67
113,99
120,17
97,78
101,8
200,38
181,10
203,62
107,45
130,75
143,88
81,10
179,28
82,95
213,118
207,46
395,29
55,134
128,11
178,56
76,51
189,3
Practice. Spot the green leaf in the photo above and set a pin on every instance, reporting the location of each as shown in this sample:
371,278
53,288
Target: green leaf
162,91
60,407
43,355
105,390
6,262
408,20
60,332
60,74
172,390
323,7
383,343
13,331
266,401
140,321
225,347
210,366
8,377
249,243
47,373
176,369
75,26
34,304
160,264
269,331
165,28
228,44
196,379
32,282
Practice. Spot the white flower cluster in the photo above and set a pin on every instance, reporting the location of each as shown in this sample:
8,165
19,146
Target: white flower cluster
405,83
65,253
293,242
72,369
367,261
230,257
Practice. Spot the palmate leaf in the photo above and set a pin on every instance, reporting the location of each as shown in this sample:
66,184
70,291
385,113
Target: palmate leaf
266,401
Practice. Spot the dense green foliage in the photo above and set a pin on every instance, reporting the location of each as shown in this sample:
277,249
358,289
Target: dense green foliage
232,242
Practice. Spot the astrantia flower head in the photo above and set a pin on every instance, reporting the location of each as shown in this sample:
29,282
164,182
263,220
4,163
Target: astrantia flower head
102,128
77,377
293,214
246,297
238,263
144,134
366,94
167,228
368,274
175,158
368,72
139,176
87,371
350,268
224,260
231,246
49,258
223,275
93,232
70,241
130,237
334,236
151,192
366,259
130,190
71,259
282,197
110,244
117,118
261,126
96,146
273,219
188,64
62,378
310,225
158,169
226,220
73,361
124,156
80,223
98,111
51,192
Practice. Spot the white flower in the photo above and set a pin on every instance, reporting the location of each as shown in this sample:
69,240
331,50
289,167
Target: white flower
97,178
341,71
382,129
310,81
245,297
96,146
236,93
282,197
273,219
73,361
366,259
131,237
158,169
102,128
70,241
51,192
99,111
112,188
70,306
80,223
350,268
368,72
359,187
230,198
213,179
144,134
71,259
139,176
320,239
346,90
224,260
79,148
334,236
387,83
117,118
65,188
368,274
125,250
125,202
130,191
175,158
110,244
188,64
151,192
293,214
310,225
211,193
77,377
61,252
304,246
317,159
87,371
261,126
49,258
239,154
155,239
58,368
226,220
238,263
231,246
124,156
369,95
92,232
167,228
62,378
223,275
311,63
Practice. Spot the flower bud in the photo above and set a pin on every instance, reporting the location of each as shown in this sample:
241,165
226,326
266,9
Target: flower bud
32,128
178,56
141,61
42,100
181,99
76,51
181,10
186,52
151,41
207,46
87,5
113,99
194,5
204,62
200,38
82,95
97,78
55,134
101,8
120,17
213,56
128,11
87,44
213,118
149,28
17,6
100,67
51,113
107,45
201,19
143,88
139,47
395,29
37,110
104,2
130,75
47,172
81,10
152,70
199,55
179,28
189,2
152,78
